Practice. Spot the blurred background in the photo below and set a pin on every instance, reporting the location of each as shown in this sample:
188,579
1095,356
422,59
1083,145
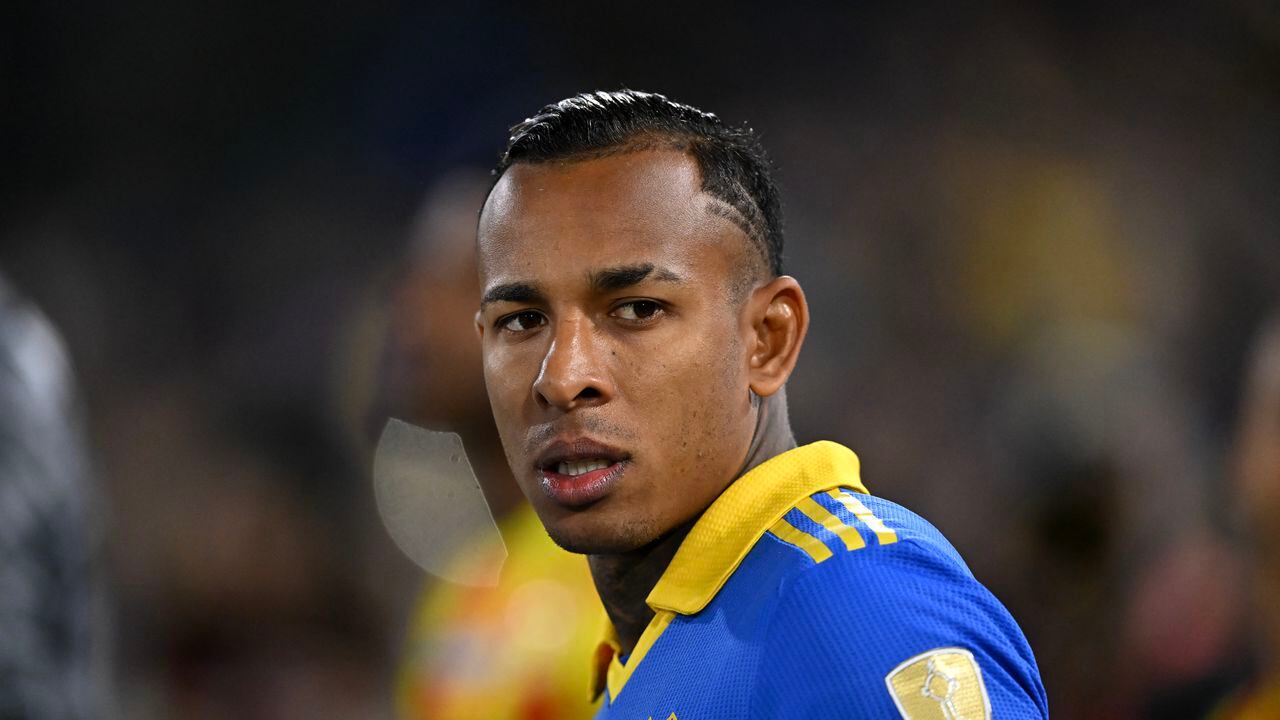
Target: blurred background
1040,240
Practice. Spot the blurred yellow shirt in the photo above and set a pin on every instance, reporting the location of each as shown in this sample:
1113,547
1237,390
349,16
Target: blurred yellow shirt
1260,702
519,650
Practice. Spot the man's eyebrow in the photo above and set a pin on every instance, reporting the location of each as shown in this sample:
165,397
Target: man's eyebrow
517,292
624,276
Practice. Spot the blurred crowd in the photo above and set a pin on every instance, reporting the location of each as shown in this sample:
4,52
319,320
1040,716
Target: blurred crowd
1041,243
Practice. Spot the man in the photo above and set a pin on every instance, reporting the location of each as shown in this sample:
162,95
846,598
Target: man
637,332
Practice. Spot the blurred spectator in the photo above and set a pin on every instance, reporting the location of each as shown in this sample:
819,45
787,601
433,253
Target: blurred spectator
431,373
50,668
1257,502
521,650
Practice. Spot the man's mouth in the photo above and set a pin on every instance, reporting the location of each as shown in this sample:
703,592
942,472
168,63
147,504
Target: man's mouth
575,473
581,467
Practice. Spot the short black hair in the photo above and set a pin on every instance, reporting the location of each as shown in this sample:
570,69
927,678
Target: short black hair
733,163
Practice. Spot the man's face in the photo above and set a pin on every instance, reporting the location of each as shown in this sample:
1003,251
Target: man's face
615,354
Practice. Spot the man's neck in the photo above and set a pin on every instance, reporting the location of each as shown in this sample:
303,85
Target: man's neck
625,580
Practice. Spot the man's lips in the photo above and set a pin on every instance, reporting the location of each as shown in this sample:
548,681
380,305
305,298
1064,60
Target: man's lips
577,472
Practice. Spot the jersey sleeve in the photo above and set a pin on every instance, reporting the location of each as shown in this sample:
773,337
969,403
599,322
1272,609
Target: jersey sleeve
899,632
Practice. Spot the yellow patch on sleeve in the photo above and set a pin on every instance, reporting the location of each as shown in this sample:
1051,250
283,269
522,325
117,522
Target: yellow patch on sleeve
942,684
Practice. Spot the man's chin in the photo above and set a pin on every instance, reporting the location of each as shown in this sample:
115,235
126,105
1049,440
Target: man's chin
600,538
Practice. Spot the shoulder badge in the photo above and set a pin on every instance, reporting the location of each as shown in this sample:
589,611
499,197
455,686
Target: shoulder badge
941,684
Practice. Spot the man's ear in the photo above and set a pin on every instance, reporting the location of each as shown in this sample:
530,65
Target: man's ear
779,318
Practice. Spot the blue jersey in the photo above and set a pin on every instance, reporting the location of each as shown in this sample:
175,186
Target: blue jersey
797,595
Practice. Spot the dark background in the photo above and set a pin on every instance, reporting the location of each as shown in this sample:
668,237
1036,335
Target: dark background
1037,237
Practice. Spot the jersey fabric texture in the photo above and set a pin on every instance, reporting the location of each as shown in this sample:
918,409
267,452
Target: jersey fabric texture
798,595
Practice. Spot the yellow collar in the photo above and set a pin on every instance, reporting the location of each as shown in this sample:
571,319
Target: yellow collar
727,531
721,538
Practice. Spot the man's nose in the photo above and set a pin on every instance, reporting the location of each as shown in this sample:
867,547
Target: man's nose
572,375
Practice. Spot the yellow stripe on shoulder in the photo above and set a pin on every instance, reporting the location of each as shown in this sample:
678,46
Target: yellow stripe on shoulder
814,547
849,535
863,513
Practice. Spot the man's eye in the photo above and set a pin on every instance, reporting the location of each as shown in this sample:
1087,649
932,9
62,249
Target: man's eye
637,310
522,321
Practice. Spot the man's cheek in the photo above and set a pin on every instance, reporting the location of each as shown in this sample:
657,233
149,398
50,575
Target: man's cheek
500,375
